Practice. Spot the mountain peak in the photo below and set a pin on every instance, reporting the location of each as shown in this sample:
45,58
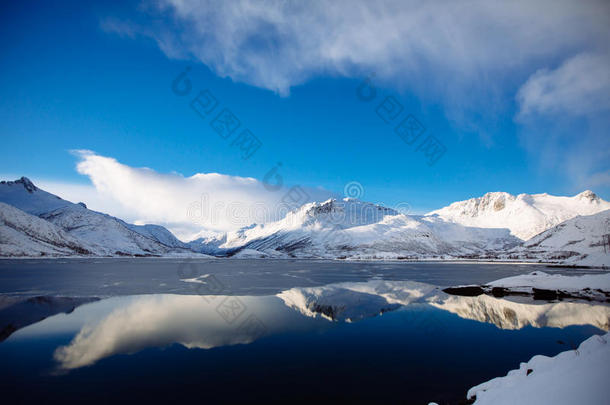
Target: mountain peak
525,215
492,201
352,207
495,194
588,195
27,184
322,208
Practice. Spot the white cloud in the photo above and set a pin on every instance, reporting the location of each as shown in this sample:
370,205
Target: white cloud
470,57
564,113
462,54
579,87
76,192
186,205
279,44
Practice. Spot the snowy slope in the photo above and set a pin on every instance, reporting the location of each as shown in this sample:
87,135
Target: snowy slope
351,228
158,233
22,234
91,231
208,242
24,195
104,234
580,241
572,377
525,215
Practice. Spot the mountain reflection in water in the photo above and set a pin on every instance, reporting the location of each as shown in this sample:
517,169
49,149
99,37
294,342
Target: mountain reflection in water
130,324
371,341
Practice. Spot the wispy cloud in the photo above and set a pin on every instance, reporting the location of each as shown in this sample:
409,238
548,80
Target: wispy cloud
579,87
462,54
279,44
565,114
475,58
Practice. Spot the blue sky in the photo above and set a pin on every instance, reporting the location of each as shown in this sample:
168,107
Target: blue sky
523,114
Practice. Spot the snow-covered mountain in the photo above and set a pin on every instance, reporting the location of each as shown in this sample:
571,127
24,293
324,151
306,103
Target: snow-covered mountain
584,240
481,228
35,222
22,234
525,215
24,195
351,228
158,233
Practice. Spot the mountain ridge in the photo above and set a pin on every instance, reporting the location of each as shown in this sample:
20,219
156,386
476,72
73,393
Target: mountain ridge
89,232
526,215
333,229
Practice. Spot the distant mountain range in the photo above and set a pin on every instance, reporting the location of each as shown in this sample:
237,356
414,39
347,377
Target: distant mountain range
497,226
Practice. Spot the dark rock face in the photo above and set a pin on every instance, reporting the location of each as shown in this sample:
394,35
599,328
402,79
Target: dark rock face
29,186
323,209
466,291
499,292
542,294
327,310
510,314
536,293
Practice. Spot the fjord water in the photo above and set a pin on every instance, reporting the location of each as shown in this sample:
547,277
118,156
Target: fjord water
275,331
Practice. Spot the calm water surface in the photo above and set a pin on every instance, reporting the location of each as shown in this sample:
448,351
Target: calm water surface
229,331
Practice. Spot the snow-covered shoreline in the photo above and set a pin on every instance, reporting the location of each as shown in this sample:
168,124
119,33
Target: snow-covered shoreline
576,376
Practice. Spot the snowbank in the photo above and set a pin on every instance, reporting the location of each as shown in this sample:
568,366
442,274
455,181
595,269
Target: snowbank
572,377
